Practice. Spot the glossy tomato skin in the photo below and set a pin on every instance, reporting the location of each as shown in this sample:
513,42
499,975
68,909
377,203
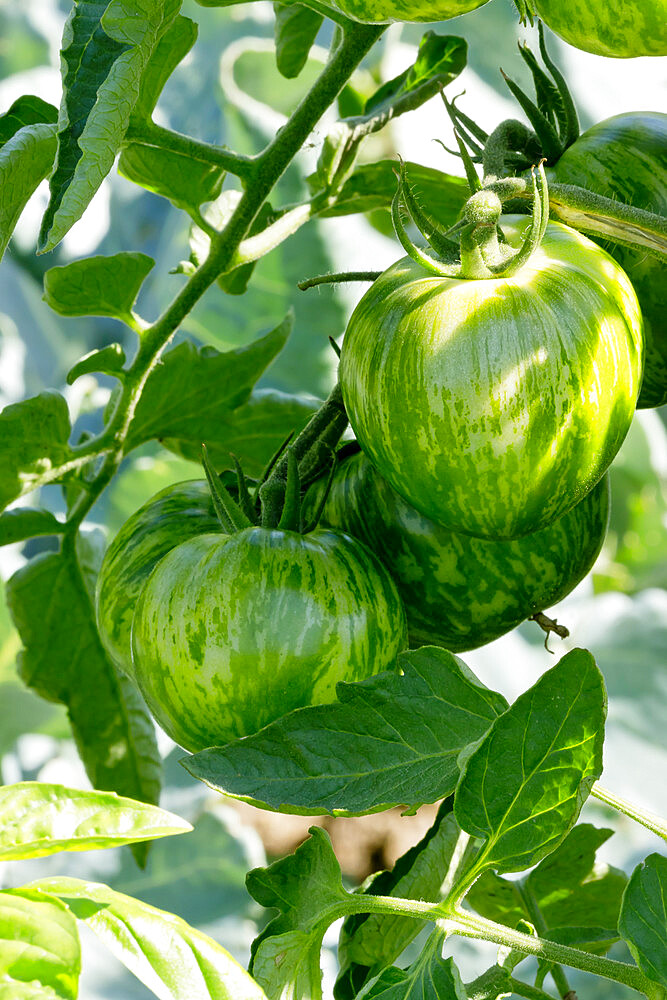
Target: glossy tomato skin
381,11
458,591
625,158
233,632
495,406
617,28
173,515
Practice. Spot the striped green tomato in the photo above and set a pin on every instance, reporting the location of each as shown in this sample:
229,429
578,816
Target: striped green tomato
232,632
494,406
173,515
617,28
458,591
381,11
625,158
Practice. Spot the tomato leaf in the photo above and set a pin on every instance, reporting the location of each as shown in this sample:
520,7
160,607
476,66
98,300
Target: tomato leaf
99,92
306,887
643,919
430,977
194,388
38,818
186,182
253,432
97,286
39,946
171,958
170,50
33,440
440,59
26,522
523,786
570,891
369,751
108,360
25,160
369,942
50,600
296,29
26,110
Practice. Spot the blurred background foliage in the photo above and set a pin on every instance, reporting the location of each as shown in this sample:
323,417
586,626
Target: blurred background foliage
229,90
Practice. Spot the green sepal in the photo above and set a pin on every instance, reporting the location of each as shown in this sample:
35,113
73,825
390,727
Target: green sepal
231,516
245,500
290,519
545,131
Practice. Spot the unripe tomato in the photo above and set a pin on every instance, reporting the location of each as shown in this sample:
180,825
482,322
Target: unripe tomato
381,11
234,631
494,406
173,515
620,28
458,591
625,158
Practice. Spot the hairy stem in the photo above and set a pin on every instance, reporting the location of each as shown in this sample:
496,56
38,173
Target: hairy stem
147,133
656,824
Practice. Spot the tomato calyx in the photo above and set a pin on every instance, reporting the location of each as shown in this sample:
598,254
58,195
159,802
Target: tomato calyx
276,500
483,252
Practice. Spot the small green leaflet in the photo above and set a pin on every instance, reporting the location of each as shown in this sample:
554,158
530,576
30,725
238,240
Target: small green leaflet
170,50
50,600
106,46
184,181
97,286
171,958
523,786
194,388
369,942
38,818
26,110
296,28
431,977
643,919
307,888
26,522
33,443
569,891
439,61
25,160
369,751
109,360
39,944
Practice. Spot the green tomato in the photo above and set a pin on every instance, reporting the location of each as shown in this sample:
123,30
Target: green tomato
494,406
458,591
177,513
232,632
617,28
381,11
625,158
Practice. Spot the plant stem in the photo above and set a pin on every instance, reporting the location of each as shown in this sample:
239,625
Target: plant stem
539,923
656,824
337,278
147,133
459,921
529,992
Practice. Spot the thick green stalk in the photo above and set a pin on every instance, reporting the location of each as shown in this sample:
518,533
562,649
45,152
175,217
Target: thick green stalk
656,824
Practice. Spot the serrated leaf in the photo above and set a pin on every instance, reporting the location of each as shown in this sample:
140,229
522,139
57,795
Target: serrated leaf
170,50
194,388
369,942
38,818
39,944
63,660
253,432
33,440
440,59
523,787
373,186
368,752
26,110
296,29
106,46
431,977
171,958
97,286
643,918
26,522
186,182
25,160
108,360
307,888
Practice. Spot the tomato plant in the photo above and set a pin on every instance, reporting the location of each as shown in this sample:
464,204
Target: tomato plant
494,405
490,377
458,591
